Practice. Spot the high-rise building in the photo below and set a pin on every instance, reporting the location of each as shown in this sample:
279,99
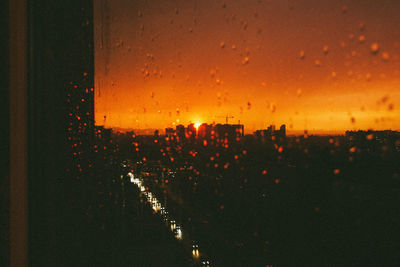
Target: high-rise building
271,131
180,132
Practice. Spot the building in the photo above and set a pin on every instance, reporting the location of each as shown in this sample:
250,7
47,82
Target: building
271,132
169,132
231,132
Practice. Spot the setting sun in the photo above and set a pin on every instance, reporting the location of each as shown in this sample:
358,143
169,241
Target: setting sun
197,125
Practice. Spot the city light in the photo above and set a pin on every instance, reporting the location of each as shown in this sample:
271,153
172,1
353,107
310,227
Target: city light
197,125
178,232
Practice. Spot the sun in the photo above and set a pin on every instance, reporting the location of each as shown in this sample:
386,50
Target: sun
197,125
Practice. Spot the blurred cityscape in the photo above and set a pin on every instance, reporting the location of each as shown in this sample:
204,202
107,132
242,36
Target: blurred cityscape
204,194
208,195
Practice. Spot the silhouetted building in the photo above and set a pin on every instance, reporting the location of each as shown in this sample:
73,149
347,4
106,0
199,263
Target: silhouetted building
191,132
205,131
282,130
271,131
231,132
169,131
180,132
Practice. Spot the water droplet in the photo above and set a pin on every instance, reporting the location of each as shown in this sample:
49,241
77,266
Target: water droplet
317,63
299,92
385,56
351,36
350,73
353,120
390,106
344,9
368,76
361,26
140,14
234,47
273,107
245,60
212,73
334,74
374,48
384,99
370,136
264,84
222,44
302,54
361,38
248,105
325,49
224,5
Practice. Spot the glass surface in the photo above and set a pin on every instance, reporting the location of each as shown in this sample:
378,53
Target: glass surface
253,133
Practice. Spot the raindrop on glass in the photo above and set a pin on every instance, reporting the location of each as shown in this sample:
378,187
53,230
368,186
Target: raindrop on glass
361,25
302,54
385,56
374,48
325,49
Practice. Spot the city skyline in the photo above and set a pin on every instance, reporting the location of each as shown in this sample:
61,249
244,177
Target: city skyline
323,67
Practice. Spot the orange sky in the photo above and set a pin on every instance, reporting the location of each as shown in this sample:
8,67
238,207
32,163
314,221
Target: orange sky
160,63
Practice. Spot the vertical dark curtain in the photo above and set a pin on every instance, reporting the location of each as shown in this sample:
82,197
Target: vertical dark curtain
60,75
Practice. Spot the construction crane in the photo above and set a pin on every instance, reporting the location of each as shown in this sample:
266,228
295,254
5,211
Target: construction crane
227,117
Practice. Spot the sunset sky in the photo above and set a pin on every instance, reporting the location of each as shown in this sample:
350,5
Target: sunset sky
325,66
